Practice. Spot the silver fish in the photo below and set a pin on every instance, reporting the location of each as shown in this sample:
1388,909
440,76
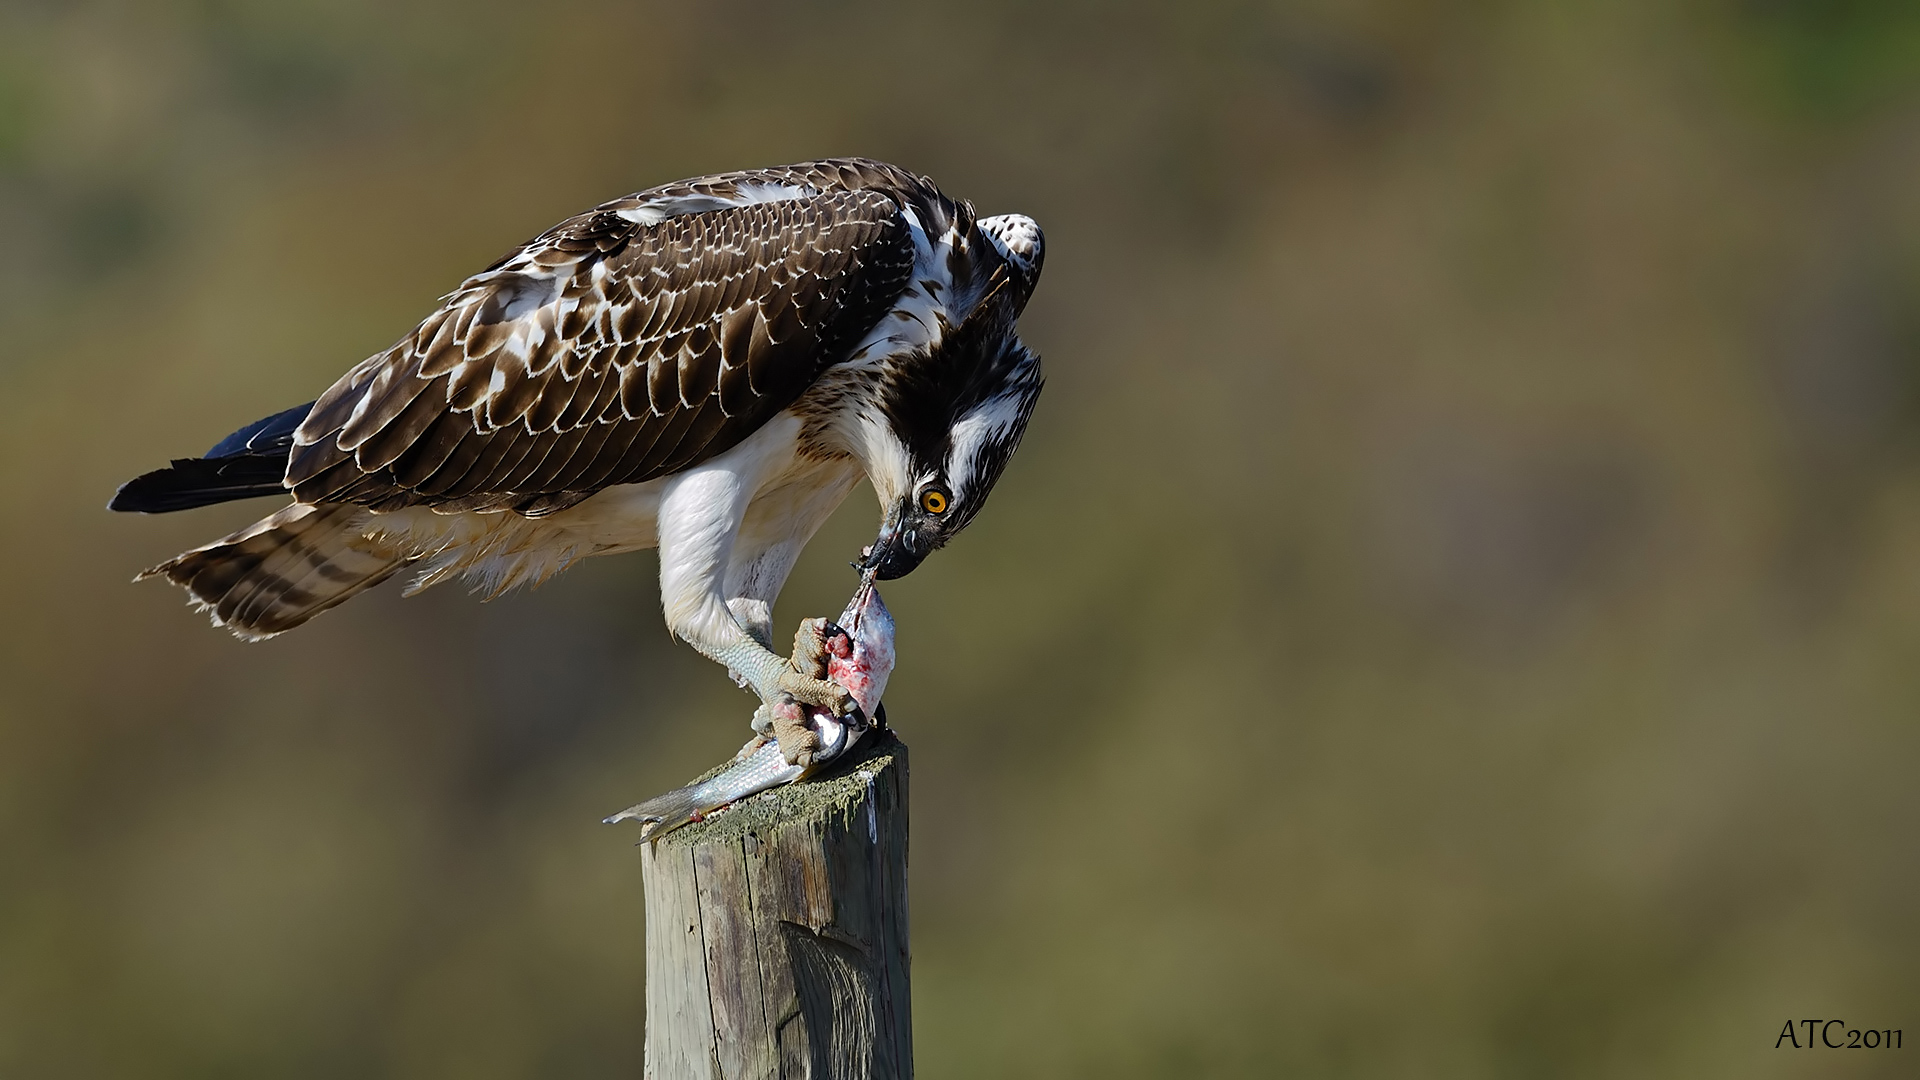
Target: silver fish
759,766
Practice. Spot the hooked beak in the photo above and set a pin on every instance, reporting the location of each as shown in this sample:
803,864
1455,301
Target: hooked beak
895,552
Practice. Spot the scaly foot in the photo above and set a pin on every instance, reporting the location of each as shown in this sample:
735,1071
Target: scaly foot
801,684
798,742
806,680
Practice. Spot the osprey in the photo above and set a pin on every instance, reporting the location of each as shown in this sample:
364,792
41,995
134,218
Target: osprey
707,367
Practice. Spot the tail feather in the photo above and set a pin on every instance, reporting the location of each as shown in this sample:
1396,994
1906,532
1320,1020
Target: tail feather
281,571
247,464
191,482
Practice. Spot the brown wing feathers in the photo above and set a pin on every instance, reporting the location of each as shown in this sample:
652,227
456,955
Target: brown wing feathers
613,349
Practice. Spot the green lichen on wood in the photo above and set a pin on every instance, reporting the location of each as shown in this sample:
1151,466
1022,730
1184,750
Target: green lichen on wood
835,792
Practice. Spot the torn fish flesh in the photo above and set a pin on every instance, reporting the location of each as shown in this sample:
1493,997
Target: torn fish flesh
759,766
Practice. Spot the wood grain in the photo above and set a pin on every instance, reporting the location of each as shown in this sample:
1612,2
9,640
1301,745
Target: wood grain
777,932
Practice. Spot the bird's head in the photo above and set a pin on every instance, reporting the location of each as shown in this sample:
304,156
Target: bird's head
949,419
952,442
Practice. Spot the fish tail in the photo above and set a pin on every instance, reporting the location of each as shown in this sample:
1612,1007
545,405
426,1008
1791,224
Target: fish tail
758,766
663,813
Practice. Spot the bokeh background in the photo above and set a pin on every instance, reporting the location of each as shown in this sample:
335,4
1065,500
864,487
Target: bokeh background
1456,614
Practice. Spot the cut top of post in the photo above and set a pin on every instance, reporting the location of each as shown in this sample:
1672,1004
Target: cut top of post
846,783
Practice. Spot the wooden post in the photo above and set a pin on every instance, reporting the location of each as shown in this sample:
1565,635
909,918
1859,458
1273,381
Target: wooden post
777,932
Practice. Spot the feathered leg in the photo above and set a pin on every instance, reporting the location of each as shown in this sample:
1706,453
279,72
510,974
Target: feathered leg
701,513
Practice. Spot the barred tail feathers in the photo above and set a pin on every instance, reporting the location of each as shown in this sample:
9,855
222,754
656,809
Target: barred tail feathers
284,569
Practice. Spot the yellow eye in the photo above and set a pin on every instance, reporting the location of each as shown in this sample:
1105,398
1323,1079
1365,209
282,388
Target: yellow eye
933,501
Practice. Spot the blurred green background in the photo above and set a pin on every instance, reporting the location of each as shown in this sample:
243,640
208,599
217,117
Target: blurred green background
1455,614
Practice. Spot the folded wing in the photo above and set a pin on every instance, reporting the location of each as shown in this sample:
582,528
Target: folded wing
630,342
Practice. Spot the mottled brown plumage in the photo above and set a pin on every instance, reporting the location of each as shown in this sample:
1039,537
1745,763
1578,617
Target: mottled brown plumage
675,335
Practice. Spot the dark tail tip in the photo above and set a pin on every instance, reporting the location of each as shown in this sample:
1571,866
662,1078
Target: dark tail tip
247,464
191,482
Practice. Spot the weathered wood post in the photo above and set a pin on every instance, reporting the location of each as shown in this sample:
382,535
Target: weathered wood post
777,932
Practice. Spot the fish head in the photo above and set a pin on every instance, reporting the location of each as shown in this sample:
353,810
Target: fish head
869,660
